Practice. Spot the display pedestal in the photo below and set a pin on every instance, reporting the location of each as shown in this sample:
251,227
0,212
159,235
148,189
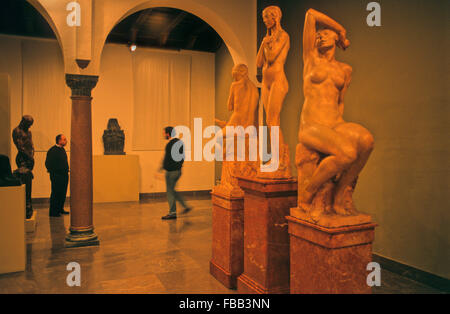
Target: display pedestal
327,260
30,224
227,261
116,178
266,238
12,229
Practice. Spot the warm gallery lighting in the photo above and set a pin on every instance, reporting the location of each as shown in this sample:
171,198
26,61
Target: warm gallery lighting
133,47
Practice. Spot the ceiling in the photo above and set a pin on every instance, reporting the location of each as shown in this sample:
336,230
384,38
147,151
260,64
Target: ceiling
165,28
18,17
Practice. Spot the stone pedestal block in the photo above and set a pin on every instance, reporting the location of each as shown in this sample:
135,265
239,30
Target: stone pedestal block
227,238
12,229
116,178
266,238
329,259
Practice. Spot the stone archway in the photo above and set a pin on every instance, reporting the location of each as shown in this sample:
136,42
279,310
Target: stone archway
217,22
38,6
226,18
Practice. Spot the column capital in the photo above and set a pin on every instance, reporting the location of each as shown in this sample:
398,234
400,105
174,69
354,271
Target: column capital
81,85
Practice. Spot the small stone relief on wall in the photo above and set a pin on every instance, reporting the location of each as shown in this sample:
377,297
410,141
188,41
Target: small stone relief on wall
114,138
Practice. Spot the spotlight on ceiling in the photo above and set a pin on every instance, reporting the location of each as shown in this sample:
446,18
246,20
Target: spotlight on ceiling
133,47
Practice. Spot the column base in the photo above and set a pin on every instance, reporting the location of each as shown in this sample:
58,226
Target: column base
328,260
245,285
223,276
227,260
81,238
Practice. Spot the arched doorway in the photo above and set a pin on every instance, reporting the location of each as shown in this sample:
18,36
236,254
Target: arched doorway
211,17
32,57
187,37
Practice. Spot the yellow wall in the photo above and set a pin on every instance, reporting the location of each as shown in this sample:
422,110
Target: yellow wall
112,98
5,113
400,93
224,64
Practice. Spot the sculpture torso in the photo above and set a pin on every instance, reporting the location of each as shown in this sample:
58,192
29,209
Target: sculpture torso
323,83
23,141
273,72
245,101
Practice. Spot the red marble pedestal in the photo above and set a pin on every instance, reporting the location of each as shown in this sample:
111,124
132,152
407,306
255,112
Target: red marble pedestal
227,238
329,259
266,238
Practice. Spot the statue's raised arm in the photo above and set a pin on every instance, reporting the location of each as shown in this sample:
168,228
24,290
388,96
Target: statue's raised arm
315,20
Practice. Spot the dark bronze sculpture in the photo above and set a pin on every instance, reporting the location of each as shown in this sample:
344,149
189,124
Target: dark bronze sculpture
114,138
6,176
25,157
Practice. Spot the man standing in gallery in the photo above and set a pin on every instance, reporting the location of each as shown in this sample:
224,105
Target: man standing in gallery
172,164
58,167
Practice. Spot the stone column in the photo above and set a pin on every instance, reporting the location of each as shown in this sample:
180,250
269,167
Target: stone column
81,232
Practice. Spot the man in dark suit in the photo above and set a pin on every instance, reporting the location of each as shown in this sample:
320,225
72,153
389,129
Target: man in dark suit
172,164
58,167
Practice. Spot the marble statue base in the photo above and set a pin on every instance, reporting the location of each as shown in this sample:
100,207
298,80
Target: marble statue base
116,178
266,238
13,252
30,224
330,260
227,238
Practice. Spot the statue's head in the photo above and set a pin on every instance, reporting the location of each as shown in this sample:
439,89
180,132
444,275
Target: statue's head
272,16
26,123
239,72
326,38
113,124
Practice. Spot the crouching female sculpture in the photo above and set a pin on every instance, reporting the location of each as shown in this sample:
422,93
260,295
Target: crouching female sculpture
331,152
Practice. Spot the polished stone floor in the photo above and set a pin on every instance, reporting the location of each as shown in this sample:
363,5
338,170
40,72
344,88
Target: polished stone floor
138,253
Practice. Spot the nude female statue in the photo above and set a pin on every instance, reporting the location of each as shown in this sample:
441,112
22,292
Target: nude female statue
243,101
272,57
345,146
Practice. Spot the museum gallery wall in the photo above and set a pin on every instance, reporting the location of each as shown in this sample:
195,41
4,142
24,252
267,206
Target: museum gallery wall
38,88
398,92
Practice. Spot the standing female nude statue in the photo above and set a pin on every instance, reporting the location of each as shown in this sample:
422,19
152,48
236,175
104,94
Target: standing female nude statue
272,57
345,147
